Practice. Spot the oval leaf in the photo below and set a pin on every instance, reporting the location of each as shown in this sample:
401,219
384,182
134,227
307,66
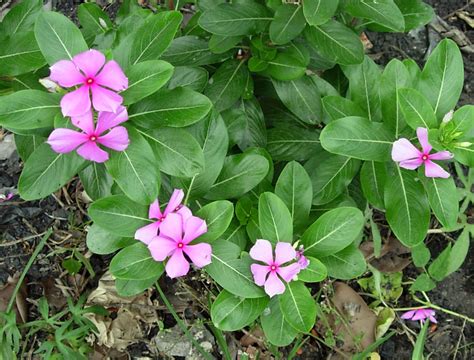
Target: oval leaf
274,218
298,306
135,263
218,216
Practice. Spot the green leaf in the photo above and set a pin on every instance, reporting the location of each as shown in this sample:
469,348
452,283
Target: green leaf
458,252
336,42
20,54
438,269
464,155
231,272
416,109
338,107
301,97
315,272
58,37
134,169
220,44
333,232
462,120
415,12
119,215
275,327
175,108
94,21
26,145
96,180
186,50
46,171
381,12
274,218
146,78
298,306
129,288
288,23
408,212
442,78
235,19
347,264
135,263
295,189
286,143
232,313
373,176
318,12
21,17
420,255
218,216
102,242
177,152
423,283
194,78
72,266
357,137
286,66
29,109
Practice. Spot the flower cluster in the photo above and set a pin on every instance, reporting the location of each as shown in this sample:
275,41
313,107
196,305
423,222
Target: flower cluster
100,80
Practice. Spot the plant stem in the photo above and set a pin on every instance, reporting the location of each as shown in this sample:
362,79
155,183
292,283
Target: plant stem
189,190
447,311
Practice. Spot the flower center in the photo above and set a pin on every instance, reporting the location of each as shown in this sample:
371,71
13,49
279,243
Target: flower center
424,157
89,81
180,245
273,267
93,138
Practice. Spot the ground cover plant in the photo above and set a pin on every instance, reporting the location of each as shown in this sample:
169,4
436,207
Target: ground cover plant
253,143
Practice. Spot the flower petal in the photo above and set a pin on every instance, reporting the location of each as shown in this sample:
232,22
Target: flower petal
433,319
66,74
441,155
107,120
408,315
200,254
284,252
419,315
146,233
172,227
273,285
185,212
104,99
422,134
112,77
193,228
90,62
154,211
116,139
76,102
177,265
434,170
411,164
85,122
66,140
262,251
259,273
289,272
175,201
403,149
90,151
160,248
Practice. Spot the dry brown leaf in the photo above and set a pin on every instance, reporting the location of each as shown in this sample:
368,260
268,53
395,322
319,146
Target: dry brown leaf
390,260
20,307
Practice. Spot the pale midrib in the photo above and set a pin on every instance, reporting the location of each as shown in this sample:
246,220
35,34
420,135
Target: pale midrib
46,170
234,232
229,179
124,215
274,224
60,40
22,19
317,8
378,12
135,171
241,19
362,140
442,81
293,196
440,202
167,54
406,201
19,53
366,89
164,145
375,180
134,263
284,65
228,82
166,109
334,176
29,109
293,141
232,268
296,305
151,42
229,312
143,79
96,22
302,98
289,21
215,219
337,42
417,113
328,235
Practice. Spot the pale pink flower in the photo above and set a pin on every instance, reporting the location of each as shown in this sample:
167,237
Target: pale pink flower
146,233
420,314
301,259
7,197
409,157
66,140
89,70
174,240
268,275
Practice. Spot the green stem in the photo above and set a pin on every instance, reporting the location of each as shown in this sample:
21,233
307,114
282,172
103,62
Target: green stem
189,190
447,311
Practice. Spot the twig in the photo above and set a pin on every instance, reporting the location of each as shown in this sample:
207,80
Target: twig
21,240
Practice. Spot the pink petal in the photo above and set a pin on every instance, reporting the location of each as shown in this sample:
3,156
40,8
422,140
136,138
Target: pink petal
172,227
419,315
66,74
259,273
76,102
105,100
177,265
434,170
107,120
273,285
442,155
185,212
146,233
200,254
408,315
193,228
85,122
403,149
411,164
89,62
116,139
432,319
154,211
262,251
422,134
112,77
289,272
66,140
90,151
175,201
284,252
160,248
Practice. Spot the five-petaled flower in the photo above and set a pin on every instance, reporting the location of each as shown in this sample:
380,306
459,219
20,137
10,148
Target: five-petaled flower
409,157
148,232
66,140
268,275
420,314
174,240
89,70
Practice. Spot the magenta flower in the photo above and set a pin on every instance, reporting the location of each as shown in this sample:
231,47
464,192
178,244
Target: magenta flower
4,197
87,69
420,314
284,252
176,233
301,259
66,140
409,157
146,233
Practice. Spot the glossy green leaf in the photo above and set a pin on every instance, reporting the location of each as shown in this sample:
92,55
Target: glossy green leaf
373,176
459,252
338,107
318,12
21,17
346,264
274,218
26,145
438,269
463,122
298,306
20,54
102,242
417,111
285,66
275,327
218,216
381,12
292,143
415,12
191,50
315,271
194,78
420,255
423,283
135,263
94,21
128,288
288,23
96,180
220,44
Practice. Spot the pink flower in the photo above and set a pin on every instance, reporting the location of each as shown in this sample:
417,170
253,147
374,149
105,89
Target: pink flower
88,70
148,232
4,197
176,233
66,140
301,259
420,314
409,157
284,252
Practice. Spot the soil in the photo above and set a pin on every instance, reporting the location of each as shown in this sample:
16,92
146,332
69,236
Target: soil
22,223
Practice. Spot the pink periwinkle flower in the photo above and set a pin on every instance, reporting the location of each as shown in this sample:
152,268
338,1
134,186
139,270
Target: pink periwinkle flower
174,240
66,140
269,275
301,259
89,70
409,157
146,233
420,314
7,197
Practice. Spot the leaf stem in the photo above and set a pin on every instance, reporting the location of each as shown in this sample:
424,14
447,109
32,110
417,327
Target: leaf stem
447,311
189,190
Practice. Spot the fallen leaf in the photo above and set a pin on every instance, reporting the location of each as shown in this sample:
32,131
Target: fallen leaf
390,260
20,307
